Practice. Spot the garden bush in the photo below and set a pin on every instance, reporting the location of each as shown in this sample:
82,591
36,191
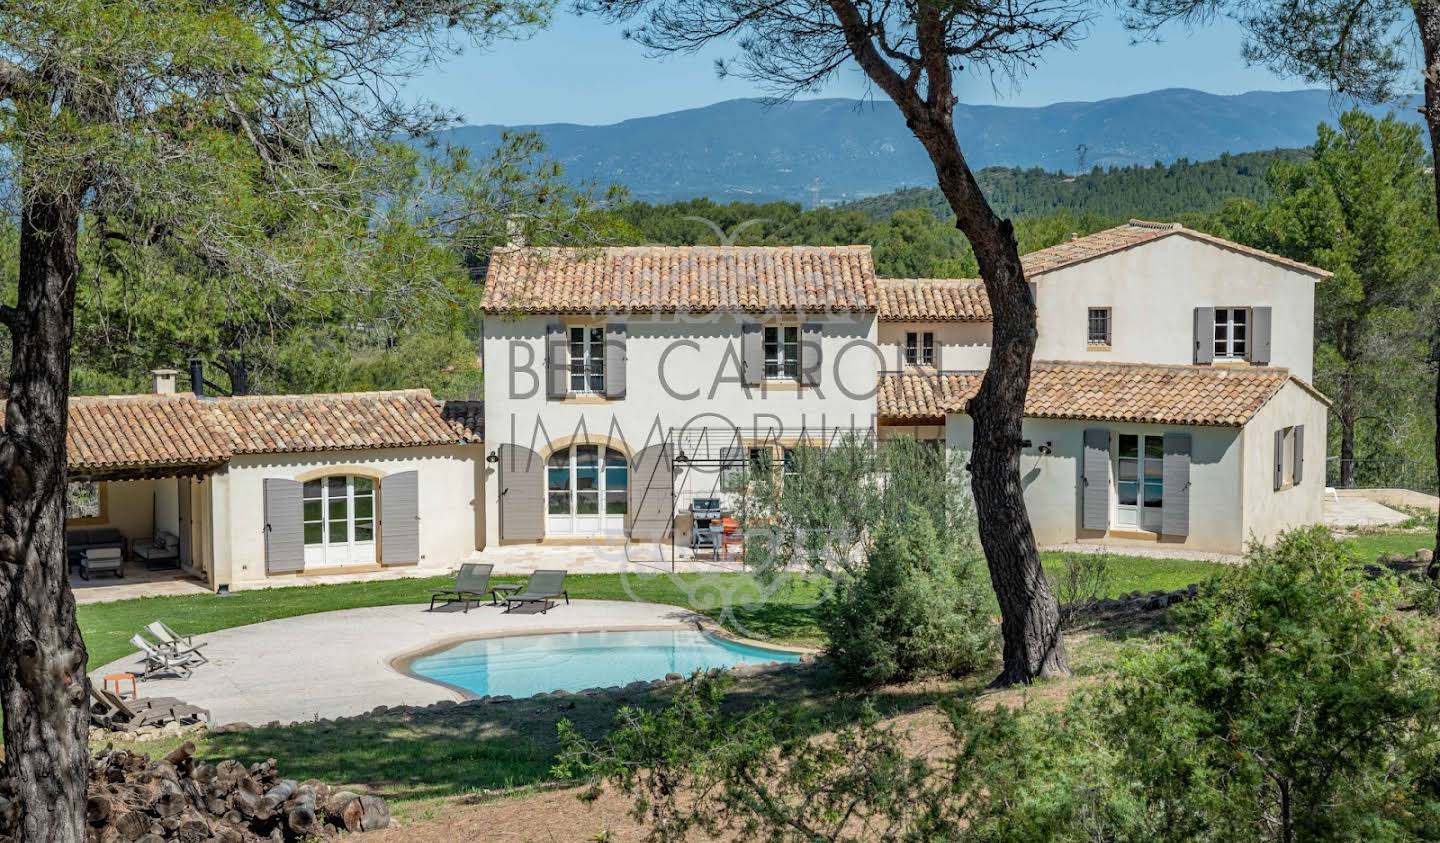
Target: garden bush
914,609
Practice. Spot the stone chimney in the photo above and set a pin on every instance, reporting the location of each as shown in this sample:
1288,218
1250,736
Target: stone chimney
164,380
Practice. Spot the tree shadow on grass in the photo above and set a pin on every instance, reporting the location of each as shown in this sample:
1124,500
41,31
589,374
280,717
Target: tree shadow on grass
475,749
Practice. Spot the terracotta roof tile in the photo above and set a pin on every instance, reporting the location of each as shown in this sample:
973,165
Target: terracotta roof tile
933,300
115,433
467,417
132,431
258,424
1185,395
749,279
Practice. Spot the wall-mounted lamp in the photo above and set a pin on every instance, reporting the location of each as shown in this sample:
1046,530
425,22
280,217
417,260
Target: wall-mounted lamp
1046,450
493,456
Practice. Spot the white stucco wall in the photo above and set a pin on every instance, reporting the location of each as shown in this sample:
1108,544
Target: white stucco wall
1269,512
958,345
448,496
1152,291
681,374
1053,488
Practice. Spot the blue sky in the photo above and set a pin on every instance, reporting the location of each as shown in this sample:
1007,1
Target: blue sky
581,70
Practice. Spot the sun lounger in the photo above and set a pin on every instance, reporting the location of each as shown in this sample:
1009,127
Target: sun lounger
544,586
472,584
158,660
179,645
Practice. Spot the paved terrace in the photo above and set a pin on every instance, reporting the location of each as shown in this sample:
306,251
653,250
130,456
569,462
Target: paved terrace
337,664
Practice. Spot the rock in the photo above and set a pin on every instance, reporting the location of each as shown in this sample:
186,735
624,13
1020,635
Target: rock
673,677
501,698
444,704
1424,556
379,710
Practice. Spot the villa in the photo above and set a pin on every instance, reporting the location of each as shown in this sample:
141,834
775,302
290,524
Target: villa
1170,405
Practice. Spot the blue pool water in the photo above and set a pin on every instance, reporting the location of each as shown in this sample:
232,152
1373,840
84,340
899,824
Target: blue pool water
524,665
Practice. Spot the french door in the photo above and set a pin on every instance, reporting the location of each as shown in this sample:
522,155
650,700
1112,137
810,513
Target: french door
586,491
339,515
1139,471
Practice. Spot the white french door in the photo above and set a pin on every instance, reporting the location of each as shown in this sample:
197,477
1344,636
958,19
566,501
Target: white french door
1139,472
339,515
586,491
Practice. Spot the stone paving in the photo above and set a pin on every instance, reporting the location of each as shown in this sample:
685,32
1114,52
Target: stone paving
338,664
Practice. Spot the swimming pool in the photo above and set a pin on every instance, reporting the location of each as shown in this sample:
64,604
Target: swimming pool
524,665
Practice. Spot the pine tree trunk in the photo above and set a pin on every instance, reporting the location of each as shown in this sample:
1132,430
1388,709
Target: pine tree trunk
1347,453
42,656
1029,614
1427,19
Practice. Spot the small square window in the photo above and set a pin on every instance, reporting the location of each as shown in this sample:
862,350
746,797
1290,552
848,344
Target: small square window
919,348
1099,326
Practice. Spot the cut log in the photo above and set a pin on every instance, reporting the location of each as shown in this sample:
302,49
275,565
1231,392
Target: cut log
365,813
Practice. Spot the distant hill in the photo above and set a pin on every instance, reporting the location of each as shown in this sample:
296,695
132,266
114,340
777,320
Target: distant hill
1159,191
838,150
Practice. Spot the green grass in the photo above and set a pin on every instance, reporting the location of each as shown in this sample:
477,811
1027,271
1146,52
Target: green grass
1367,546
782,612
422,759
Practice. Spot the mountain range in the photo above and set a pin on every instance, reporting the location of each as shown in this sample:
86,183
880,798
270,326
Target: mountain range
826,151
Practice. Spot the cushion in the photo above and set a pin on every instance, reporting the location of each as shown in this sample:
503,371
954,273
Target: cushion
102,554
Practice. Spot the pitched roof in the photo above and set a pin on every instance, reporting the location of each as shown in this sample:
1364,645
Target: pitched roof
269,424
118,433
747,279
1186,395
135,431
932,300
1135,232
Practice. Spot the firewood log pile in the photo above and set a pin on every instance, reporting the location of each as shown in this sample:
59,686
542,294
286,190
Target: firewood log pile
132,799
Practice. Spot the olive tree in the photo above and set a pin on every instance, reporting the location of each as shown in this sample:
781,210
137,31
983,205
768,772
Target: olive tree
912,50
210,120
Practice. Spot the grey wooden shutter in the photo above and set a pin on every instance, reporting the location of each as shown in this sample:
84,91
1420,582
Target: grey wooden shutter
400,518
652,494
1299,453
284,527
1095,495
752,353
1204,335
616,337
522,494
557,361
1175,477
1259,344
812,359
1279,459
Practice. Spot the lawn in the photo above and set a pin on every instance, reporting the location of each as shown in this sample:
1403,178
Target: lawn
781,612
1367,546
423,760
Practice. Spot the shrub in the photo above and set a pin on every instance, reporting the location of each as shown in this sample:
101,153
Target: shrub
1295,705
914,609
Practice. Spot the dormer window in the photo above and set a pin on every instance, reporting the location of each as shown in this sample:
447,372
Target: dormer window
1232,333
919,348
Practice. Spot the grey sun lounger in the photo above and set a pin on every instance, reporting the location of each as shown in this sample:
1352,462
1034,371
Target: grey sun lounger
175,643
544,586
472,584
158,660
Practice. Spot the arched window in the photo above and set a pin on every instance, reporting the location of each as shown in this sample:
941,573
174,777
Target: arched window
586,491
339,516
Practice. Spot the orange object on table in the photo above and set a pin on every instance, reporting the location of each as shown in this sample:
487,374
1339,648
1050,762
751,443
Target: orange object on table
119,678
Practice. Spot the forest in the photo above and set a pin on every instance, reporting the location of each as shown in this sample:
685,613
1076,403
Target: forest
385,334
